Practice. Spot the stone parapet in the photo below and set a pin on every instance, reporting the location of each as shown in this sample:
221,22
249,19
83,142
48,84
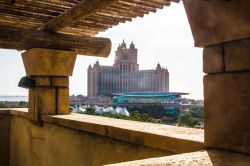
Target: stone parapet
4,138
93,140
171,138
158,136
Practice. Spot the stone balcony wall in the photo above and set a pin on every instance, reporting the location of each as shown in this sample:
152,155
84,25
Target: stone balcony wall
89,140
4,137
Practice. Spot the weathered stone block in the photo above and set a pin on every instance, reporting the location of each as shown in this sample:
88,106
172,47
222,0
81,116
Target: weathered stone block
214,22
46,62
227,111
42,81
213,59
60,81
237,55
63,101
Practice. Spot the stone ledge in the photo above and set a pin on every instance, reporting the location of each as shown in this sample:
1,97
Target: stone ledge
23,112
4,111
201,158
165,137
170,138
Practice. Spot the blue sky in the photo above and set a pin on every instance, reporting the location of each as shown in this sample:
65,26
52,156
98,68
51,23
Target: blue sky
163,37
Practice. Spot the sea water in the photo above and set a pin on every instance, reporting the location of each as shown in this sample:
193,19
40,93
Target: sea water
13,98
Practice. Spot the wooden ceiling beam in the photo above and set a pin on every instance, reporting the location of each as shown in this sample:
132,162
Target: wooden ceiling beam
109,18
99,21
146,3
81,10
136,7
126,13
23,39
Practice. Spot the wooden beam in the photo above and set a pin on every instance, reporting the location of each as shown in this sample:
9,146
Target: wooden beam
81,10
23,39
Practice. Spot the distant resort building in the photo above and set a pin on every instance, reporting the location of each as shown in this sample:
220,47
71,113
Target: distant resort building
169,100
146,98
125,76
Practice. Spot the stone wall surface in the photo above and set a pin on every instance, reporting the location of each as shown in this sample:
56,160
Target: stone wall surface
213,22
227,95
4,139
55,145
227,114
200,158
227,57
237,55
213,59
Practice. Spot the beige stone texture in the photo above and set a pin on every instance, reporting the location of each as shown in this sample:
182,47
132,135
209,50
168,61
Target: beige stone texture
169,138
42,81
54,145
213,59
60,81
46,62
227,111
33,105
4,139
62,101
218,21
3,111
42,101
201,158
237,55
46,100
21,112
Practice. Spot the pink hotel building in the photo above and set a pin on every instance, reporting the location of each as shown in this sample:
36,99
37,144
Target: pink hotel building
125,76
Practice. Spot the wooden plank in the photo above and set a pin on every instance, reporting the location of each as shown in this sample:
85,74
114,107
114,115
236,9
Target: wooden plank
82,9
23,39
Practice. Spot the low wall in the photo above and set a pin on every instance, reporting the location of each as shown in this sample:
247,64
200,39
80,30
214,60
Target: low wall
4,137
75,139
56,145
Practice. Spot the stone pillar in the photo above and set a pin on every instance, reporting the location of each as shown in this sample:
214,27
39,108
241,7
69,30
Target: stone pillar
227,95
50,70
223,29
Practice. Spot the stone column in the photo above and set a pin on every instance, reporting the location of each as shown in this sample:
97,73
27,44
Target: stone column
50,70
223,29
227,95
